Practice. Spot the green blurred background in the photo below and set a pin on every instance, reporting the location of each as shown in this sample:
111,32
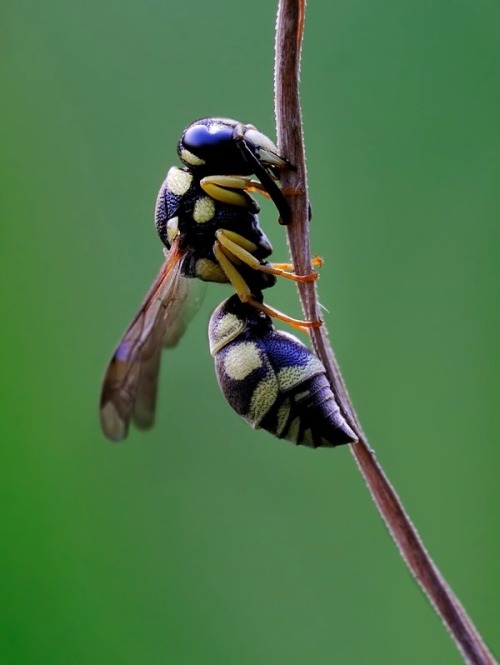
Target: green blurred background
203,541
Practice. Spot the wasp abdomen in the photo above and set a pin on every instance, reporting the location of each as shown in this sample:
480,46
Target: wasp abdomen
273,380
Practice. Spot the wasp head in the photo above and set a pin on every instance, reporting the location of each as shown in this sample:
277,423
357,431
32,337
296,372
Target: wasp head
225,146
222,146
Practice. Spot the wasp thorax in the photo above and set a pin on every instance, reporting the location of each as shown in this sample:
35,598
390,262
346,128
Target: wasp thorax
273,380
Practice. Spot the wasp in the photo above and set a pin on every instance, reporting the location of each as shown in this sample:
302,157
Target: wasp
208,222
273,380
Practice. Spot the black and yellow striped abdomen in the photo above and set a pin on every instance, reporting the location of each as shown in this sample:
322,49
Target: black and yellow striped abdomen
273,380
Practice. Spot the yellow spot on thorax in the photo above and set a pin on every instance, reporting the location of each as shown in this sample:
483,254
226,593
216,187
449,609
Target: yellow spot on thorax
178,181
204,209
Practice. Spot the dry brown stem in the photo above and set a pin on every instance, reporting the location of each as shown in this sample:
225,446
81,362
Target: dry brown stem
289,31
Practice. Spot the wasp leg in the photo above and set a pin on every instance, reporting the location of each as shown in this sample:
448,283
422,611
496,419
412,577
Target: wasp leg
221,188
265,165
245,295
254,186
316,262
241,248
217,187
303,326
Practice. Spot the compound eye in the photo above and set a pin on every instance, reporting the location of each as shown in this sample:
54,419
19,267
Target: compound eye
210,144
199,138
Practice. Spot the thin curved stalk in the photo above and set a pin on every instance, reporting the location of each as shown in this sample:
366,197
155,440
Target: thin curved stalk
289,32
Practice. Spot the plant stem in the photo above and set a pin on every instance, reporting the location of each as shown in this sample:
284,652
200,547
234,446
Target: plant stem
289,33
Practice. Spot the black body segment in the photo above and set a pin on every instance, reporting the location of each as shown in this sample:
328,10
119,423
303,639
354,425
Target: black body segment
273,380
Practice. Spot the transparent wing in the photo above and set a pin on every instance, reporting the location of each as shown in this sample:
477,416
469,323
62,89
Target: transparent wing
188,298
190,293
130,383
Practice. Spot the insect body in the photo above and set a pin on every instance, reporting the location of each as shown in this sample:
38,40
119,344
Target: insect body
273,380
208,222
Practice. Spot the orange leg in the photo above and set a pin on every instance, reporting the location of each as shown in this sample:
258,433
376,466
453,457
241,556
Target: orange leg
316,262
245,295
303,326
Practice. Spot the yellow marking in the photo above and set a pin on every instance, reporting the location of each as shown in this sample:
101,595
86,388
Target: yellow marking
209,271
293,430
172,229
301,396
263,398
307,438
290,377
241,360
188,158
226,328
178,181
204,210
282,417
314,366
